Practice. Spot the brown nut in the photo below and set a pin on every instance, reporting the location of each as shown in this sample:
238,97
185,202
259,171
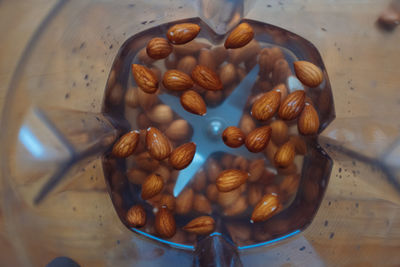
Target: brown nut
280,72
279,134
183,33
240,36
267,207
227,74
182,156
200,226
233,137
212,192
201,204
192,102
285,155
151,186
247,124
161,113
231,179
266,106
187,64
167,201
257,140
126,145
145,78
178,130
308,73
256,169
308,122
206,78
136,216
146,162
158,48
176,80
157,144
255,194
200,181
225,199
206,59
213,169
132,97
237,208
240,163
184,202
136,176
292,105
165,223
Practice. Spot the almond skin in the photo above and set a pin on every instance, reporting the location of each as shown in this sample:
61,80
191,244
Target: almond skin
157,144
136,216
200,226
227,74
126,145
176,80
285,155
292,105
257,140
161,113
182,156
233,136
240,36
308,122
151,186
158,48
231,179
206,78
266,106
192,102
183,33
145,78
266,208
308,73
165,223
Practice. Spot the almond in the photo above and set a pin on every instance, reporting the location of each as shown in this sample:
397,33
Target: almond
146,162
227,74
240,36
257,140
213,98
206,58
266,106
279,134
233,136
267,59
213,169
256,169
255,194
206,78
143,58
192,48
132,98
136,176
161,113
237,208
187,64
201,204
292,105
184,202
308,122
247,124
157,144
299,144
178,130
282,89
152,185
285,155
266,208
200,226
126,145
200,181
167,201
280,72
165,223
231,179
158,48
146,101
192,102
176,80
115,94
136,216
220,54
270,151
308,73
212,192
225,199
182,156
145,78
183,33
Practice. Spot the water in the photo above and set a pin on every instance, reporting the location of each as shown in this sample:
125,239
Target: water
231,211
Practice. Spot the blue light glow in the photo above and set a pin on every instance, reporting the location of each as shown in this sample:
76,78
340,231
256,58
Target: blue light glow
31,143
270,241
172,244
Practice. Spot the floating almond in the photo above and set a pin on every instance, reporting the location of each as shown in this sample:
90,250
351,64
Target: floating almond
308,122
256,169
158,48
240,36
157,144
285,155
247,124
279,134
231,179
202,225
184,202
193,102
292,105
233,136
165,223
227,74
182,156
178,130
151,186
183,33
201,204
237,208
176,80
308,73
257,140
136,216
167,201
145,78
126,145
206,78
266,208
266,106
161,113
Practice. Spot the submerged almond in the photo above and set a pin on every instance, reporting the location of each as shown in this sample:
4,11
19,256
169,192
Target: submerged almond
151,186
201,225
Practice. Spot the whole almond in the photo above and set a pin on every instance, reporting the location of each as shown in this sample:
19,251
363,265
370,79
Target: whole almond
282,89
158,48
240,36
161,113
136,216
126,145
146,101
167,201
308,73
132,98
146,162
279,134
225,199
257,140
308,122
220,54
285,155
151,186
192,102
213,169
266,106
165,223
237,208
266,208
213,98
240,163
270,151
247,124
200,181
201,204
200,226
256,169
299,144
227,74
231,179
178,130
292,105
212,192
233,136
182,156
144,58
183,33
251,50
136,176
176,80
157,144
187,64
206,58
184,202
206,78
280,72
255,194
145,78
